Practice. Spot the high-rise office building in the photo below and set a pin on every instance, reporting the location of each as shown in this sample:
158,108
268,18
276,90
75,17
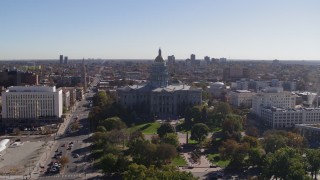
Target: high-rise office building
171,60
32,105
193,58
207,59
61,59
66,60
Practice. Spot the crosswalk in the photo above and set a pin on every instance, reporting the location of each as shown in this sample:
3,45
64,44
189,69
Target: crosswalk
61,176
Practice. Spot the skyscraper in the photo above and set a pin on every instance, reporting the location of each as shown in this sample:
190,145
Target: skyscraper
193,57
61,59
66,60
207,59
171,60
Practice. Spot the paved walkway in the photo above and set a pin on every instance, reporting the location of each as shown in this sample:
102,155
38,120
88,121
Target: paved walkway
203,161
13,177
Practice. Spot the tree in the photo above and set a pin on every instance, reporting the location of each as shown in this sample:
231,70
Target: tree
143,152
108,163
122,163
285,163
227,148
199,132
136,135
101,99
295,140
231,126
135,171
155,139
75,126
313,161
252,131
222,108
94,116
188,118
64,160
64,110
113,123
101,129
117,136
196,113
169,172
165,152
252,141
171,138
204,114
235,152
164,129
256,157
273,142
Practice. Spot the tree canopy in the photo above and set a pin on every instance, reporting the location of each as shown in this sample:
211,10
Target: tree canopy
164,129
199,132
113,123
231,126
285,163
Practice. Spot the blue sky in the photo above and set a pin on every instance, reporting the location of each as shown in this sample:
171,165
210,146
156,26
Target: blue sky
135,29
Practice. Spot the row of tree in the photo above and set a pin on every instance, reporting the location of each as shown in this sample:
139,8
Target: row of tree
129,154
278,154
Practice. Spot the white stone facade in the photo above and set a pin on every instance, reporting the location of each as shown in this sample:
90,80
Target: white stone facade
282,118
241,98
272,98
31,102
157,98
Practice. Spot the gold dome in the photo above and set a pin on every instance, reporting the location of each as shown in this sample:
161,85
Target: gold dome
159,57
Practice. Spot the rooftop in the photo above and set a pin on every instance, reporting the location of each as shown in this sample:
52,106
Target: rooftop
31,89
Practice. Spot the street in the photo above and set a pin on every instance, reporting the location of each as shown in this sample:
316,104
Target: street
73,144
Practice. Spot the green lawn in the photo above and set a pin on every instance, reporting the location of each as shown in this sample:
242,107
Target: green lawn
217,129
179,161
147,128
221,163
190,141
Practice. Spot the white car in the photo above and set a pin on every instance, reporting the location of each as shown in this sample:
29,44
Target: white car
76,156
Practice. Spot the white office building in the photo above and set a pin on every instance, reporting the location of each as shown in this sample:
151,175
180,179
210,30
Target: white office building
272,97
31,104
241,98
282,118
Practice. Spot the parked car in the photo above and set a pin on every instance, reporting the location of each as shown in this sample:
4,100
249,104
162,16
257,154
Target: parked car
76,155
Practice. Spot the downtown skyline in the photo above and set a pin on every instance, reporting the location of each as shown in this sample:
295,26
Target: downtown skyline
284,30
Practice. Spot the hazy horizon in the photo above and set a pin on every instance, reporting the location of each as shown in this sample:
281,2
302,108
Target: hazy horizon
263,30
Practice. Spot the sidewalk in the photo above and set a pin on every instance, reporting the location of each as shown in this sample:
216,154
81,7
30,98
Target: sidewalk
13,177
63,126
203,161
37,170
